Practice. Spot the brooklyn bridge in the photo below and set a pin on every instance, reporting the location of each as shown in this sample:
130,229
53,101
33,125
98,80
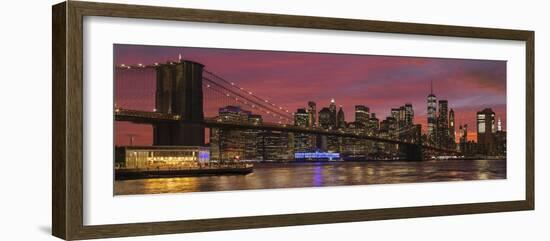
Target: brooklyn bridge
178,117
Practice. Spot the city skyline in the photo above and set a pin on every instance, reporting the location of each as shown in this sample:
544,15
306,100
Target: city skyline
349,79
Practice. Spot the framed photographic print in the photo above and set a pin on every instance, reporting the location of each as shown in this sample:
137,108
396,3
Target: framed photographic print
170,120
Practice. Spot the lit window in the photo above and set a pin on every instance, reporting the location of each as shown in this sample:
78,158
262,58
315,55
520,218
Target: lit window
481,127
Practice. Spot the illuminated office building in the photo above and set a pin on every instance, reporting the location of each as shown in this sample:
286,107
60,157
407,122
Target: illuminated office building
452,129
332,108
373,124
340,119
432,121
500,139
312,114
301,140
486,131
409,114
362,114
443,124
324,118
226,144
355,148
275,146
301,118
251,151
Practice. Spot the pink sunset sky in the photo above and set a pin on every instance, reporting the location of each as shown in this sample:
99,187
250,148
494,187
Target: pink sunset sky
291,79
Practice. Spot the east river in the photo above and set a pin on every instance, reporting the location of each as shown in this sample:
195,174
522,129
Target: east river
321,174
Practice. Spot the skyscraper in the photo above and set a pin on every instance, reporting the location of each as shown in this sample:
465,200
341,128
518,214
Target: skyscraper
395,113
312,113
332,108
444,112
325,118
340,119
251,136
409,114
486,130
452,128
432,103
500,139
301,141
463,133
374,125
229,144
401,119
388,127
362,114
301,118
443,124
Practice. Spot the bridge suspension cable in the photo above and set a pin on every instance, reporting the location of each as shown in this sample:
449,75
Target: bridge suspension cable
248,93
212,81
242,99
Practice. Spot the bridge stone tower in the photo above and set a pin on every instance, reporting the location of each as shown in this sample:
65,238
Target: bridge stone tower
179,92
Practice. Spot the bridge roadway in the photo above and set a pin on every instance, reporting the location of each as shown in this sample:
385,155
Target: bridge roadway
146,117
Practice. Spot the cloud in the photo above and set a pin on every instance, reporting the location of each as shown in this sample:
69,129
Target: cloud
290,79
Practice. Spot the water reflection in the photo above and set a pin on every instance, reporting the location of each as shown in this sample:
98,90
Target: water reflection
288,175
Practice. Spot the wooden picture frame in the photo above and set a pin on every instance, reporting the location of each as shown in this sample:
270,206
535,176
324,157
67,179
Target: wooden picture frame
67,152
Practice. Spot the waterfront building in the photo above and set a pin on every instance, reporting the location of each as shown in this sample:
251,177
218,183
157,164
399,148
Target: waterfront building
249,144
334,144
226,144
354,148
161,156
251,136
303,142
275,146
